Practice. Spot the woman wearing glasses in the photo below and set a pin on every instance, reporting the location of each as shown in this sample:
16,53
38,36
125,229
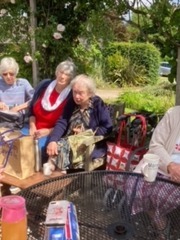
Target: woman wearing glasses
15,93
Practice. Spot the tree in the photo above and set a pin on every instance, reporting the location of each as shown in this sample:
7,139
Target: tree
54,46
159,23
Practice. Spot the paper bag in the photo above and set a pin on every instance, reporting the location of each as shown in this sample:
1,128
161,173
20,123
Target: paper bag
21,161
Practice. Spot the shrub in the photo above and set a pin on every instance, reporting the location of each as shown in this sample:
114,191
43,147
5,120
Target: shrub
119,70
90,60
156,100
141,56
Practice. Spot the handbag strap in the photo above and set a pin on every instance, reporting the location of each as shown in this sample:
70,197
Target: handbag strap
143,128
2,135
10,144
124,122
8,130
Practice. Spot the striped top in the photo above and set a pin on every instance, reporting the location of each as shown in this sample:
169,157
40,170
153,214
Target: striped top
18,93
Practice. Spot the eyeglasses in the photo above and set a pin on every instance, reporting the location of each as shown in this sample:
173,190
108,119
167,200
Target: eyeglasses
9,73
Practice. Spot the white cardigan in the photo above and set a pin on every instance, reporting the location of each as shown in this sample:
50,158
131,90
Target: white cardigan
164,138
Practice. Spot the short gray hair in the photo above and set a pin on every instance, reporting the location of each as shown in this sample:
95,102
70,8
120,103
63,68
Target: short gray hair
85,80
67,67
9,63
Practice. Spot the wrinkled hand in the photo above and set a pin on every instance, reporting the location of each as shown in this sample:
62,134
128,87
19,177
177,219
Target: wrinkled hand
42,132
174,171
3,106
52,149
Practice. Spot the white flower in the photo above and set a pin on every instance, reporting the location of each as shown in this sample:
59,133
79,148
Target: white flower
67,4
60,28
28,58
3,12
44,45
13,1
57,35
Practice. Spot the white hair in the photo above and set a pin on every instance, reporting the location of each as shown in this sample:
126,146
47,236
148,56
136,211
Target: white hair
85,80
9,63
67,67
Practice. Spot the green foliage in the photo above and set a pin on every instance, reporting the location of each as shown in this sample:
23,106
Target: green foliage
141,61
121,71
98,23
151,99
159,24
90,60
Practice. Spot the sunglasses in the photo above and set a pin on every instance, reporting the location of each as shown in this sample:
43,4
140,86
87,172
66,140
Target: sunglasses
9,73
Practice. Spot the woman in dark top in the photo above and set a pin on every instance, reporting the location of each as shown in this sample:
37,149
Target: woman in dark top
90,112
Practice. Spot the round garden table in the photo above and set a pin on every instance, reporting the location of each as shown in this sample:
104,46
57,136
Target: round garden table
110,205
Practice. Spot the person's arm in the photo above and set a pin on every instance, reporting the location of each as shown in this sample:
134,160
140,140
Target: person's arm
3,106
32,125
174,171
20,107
101,121
60,128
62,123
163,139
37,92
29,90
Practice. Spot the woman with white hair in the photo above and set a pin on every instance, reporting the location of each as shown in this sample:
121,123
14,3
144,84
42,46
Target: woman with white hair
15,93
90,112
50,99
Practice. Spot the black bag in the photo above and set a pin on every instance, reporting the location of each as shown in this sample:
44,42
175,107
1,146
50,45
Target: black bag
11,119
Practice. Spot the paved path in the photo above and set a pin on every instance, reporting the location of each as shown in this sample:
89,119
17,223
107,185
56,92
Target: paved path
108,93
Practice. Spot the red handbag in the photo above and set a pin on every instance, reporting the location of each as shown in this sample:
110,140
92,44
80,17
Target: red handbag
129,148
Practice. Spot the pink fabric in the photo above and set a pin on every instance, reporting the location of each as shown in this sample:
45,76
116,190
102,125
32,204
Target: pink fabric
159,197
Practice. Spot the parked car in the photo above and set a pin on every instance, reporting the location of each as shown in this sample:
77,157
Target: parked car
164,69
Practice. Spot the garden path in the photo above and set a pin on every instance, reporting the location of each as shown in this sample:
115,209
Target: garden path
112,94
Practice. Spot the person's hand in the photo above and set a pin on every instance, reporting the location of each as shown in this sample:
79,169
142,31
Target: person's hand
32,130
78,129
14,109
42,132
3,106
52,149
174,171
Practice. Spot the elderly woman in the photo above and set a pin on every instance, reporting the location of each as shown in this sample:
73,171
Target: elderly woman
90,112
15,93
50,99
159,203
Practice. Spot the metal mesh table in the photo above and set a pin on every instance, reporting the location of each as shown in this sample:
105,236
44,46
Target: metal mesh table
110,205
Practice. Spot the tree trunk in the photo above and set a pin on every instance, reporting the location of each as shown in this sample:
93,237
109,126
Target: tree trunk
33,24
178,78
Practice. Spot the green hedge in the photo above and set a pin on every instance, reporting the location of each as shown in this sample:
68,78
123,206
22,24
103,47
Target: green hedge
144,56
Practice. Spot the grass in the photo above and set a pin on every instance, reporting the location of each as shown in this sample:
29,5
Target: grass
157,99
